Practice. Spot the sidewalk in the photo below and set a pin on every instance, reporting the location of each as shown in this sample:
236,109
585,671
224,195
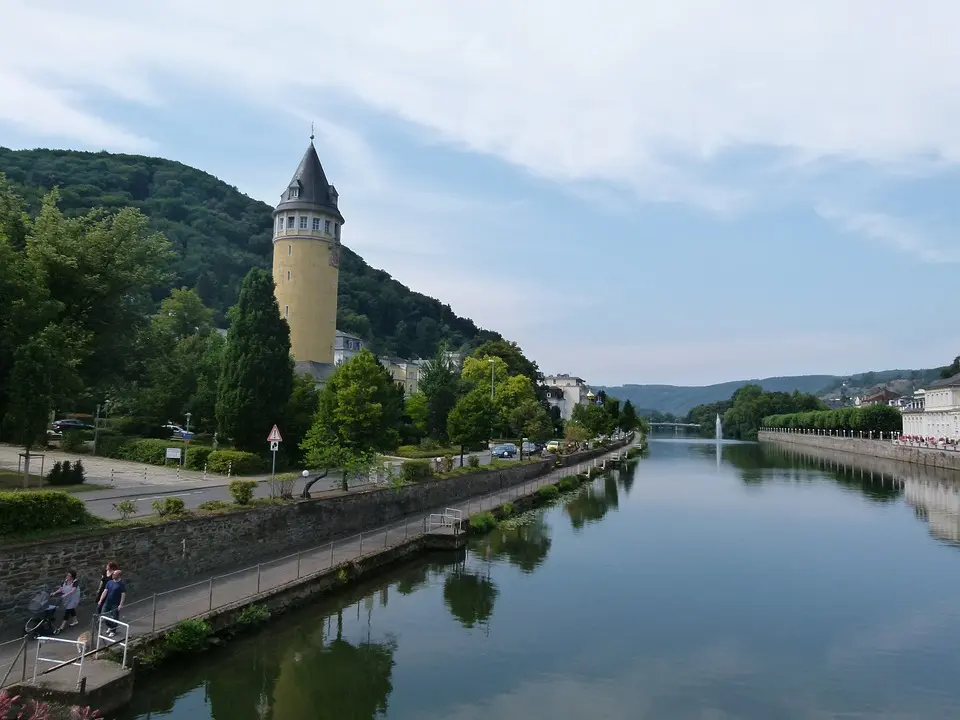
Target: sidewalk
205,593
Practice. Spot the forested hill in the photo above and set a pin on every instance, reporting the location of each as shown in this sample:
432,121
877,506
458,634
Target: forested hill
680,399
219,234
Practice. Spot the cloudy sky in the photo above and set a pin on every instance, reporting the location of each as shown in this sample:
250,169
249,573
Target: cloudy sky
636,191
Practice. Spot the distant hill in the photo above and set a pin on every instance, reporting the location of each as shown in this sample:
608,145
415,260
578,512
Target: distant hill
218,234
680,399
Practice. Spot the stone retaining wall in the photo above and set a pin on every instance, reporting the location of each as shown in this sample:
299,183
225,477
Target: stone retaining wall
155,557
944,459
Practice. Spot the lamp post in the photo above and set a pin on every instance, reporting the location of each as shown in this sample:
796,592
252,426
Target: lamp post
493,367
523,441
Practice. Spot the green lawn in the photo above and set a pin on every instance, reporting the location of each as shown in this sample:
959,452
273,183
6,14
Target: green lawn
12,480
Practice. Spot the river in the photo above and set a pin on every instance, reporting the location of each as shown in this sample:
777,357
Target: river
765,584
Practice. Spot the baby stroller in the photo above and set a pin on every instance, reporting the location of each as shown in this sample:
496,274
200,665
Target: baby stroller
43,609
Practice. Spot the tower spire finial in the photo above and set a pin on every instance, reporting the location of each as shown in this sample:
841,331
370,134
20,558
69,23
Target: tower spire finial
311,132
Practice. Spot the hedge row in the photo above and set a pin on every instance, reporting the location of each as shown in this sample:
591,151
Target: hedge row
154,452
42,510
876,418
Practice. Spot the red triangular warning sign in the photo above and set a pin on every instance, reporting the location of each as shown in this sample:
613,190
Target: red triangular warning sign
274,435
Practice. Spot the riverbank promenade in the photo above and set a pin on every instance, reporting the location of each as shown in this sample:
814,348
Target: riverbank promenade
205,593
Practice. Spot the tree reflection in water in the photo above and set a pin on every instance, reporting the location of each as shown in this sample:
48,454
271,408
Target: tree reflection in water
329,678
469,596
593,502
523,542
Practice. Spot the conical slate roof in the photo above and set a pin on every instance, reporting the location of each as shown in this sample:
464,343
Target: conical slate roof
315,191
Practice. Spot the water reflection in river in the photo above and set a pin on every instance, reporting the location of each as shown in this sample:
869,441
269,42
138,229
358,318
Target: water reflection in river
779,584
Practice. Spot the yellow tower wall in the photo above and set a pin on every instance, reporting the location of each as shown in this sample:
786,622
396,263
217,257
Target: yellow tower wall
306,290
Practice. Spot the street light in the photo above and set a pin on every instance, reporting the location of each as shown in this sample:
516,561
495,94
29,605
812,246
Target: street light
189,415
523,441
492,368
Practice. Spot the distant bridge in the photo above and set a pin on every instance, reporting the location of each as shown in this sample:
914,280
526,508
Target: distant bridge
673,424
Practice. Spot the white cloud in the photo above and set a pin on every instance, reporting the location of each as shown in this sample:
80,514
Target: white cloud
640,93
890,231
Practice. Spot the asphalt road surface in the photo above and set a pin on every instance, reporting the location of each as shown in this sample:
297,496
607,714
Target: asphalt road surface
103,502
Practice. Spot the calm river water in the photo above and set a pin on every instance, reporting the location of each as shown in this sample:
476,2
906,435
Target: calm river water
764,585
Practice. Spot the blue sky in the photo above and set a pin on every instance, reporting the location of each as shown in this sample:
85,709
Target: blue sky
639,192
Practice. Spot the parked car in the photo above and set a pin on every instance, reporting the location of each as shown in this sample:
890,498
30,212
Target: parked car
70,424
507,450
553,446
177,431
530,448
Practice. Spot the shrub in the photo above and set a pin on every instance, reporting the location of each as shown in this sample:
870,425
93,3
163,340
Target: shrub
197,457
168,506
126,508
447,463
415,471
26,511
188,636
570,482
242,491
253,615
66,474
75,440
429,444
147,451
235,462
141,427
109,445
483,522
548,492
215,505
507,509
473,461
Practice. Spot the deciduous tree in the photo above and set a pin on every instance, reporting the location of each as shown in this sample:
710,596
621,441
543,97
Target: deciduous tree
471,419
358,414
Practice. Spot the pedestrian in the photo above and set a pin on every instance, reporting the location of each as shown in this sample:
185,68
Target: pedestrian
69,590
105,578
111,601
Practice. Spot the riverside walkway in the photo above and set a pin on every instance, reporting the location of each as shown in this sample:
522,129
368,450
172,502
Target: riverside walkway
165,609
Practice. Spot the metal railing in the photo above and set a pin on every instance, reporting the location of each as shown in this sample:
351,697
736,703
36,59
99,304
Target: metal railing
110,638
21,656
165,609
449,518
80,645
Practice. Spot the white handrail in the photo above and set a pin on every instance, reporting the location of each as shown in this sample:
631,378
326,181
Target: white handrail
113,641
81,649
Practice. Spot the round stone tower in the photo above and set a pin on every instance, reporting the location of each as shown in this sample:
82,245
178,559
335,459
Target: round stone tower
306,261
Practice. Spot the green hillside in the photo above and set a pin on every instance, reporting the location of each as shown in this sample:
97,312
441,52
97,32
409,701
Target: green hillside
680,399
219,233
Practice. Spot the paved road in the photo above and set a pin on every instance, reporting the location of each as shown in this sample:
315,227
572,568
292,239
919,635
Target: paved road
190,599
145,484
195,491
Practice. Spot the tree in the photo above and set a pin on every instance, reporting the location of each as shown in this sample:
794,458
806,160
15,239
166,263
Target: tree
594,419
475,372
182,313
471,419
417,408
41,378
440,384
951,369
298,416
531,421
628,417
100,269
358,414
514,359
257,373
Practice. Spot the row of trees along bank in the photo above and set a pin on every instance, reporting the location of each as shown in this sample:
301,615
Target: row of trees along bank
78,331
744,414
869,418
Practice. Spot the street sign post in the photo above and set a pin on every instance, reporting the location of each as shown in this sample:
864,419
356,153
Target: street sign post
274,439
